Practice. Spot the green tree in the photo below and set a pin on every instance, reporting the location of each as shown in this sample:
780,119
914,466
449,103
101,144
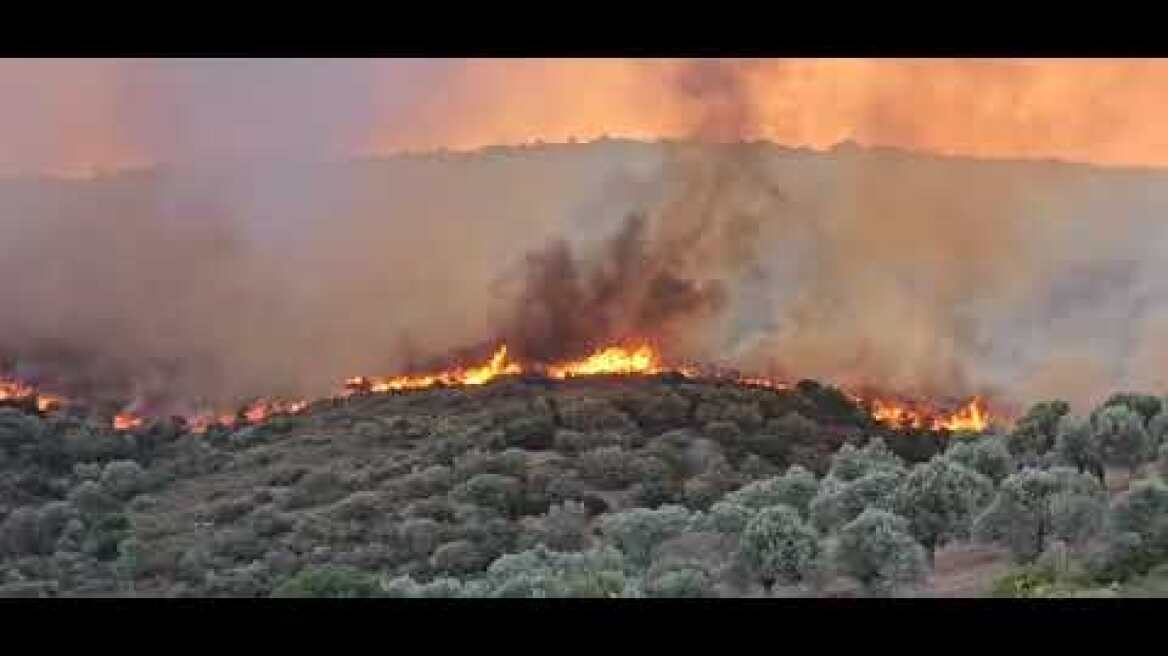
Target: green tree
1029,508
986,455
1123,441
796,488
636,532
1034,434
850,463
778,545
940,499
839,502
877,550
1078,446
1145,405
337,581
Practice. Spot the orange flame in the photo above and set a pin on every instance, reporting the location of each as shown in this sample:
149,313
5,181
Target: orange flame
973,416
124,421
610,360
497,366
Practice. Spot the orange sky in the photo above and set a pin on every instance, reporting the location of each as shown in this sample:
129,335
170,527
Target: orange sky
75,115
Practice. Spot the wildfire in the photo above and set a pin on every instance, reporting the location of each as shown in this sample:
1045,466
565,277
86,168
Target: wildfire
611,360
973,416
15,390
497,366
124,421
642,359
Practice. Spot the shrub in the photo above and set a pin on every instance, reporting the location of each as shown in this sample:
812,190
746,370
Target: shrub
1077,445
565,527
91,499
1035,432
796,488
1025,511
1123,441
501,493
458,557
419,536
315,489
850,463
1144,405
540,572
939,500
535,432
636,532
18,429
877,550
329,581
687,581
608,467
575,442
987,456
839,502
779,546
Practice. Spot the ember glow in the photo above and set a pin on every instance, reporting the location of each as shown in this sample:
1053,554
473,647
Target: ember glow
124,421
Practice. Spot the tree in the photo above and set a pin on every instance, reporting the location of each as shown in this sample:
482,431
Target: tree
1078,446
839,502
1145,405
1032,506
1123,440
1142,510
850,463
877,550
565,527
541,572
1158,428
988,456
940,499
123,478
779,546
1035,432
796,488
336,581
636,532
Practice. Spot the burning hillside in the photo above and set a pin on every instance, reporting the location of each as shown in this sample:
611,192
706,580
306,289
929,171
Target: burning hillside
614,360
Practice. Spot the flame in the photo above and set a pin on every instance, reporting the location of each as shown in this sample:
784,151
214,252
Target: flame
973,416
124,421
15,390
642,359
611,360
485,373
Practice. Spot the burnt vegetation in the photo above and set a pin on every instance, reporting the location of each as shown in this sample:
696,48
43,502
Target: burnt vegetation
605,486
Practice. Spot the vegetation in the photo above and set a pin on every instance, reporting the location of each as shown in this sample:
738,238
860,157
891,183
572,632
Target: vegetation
648,487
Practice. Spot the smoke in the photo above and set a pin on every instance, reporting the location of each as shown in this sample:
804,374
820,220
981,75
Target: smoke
225,274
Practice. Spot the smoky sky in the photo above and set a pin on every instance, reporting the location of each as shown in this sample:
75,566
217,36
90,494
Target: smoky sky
261,244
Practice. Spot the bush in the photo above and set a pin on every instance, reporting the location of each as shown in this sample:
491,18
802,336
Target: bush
1143,510
610,468
796,488
329,581
316,489
636,532
18,429
573,442
939,499
534,432
500,493
420,536
850,463
565,527
1034,434
1077,445
1030,503
779,546
458,557
987,456
877,550
91,499
686,581
540,572
839,502
1121,437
